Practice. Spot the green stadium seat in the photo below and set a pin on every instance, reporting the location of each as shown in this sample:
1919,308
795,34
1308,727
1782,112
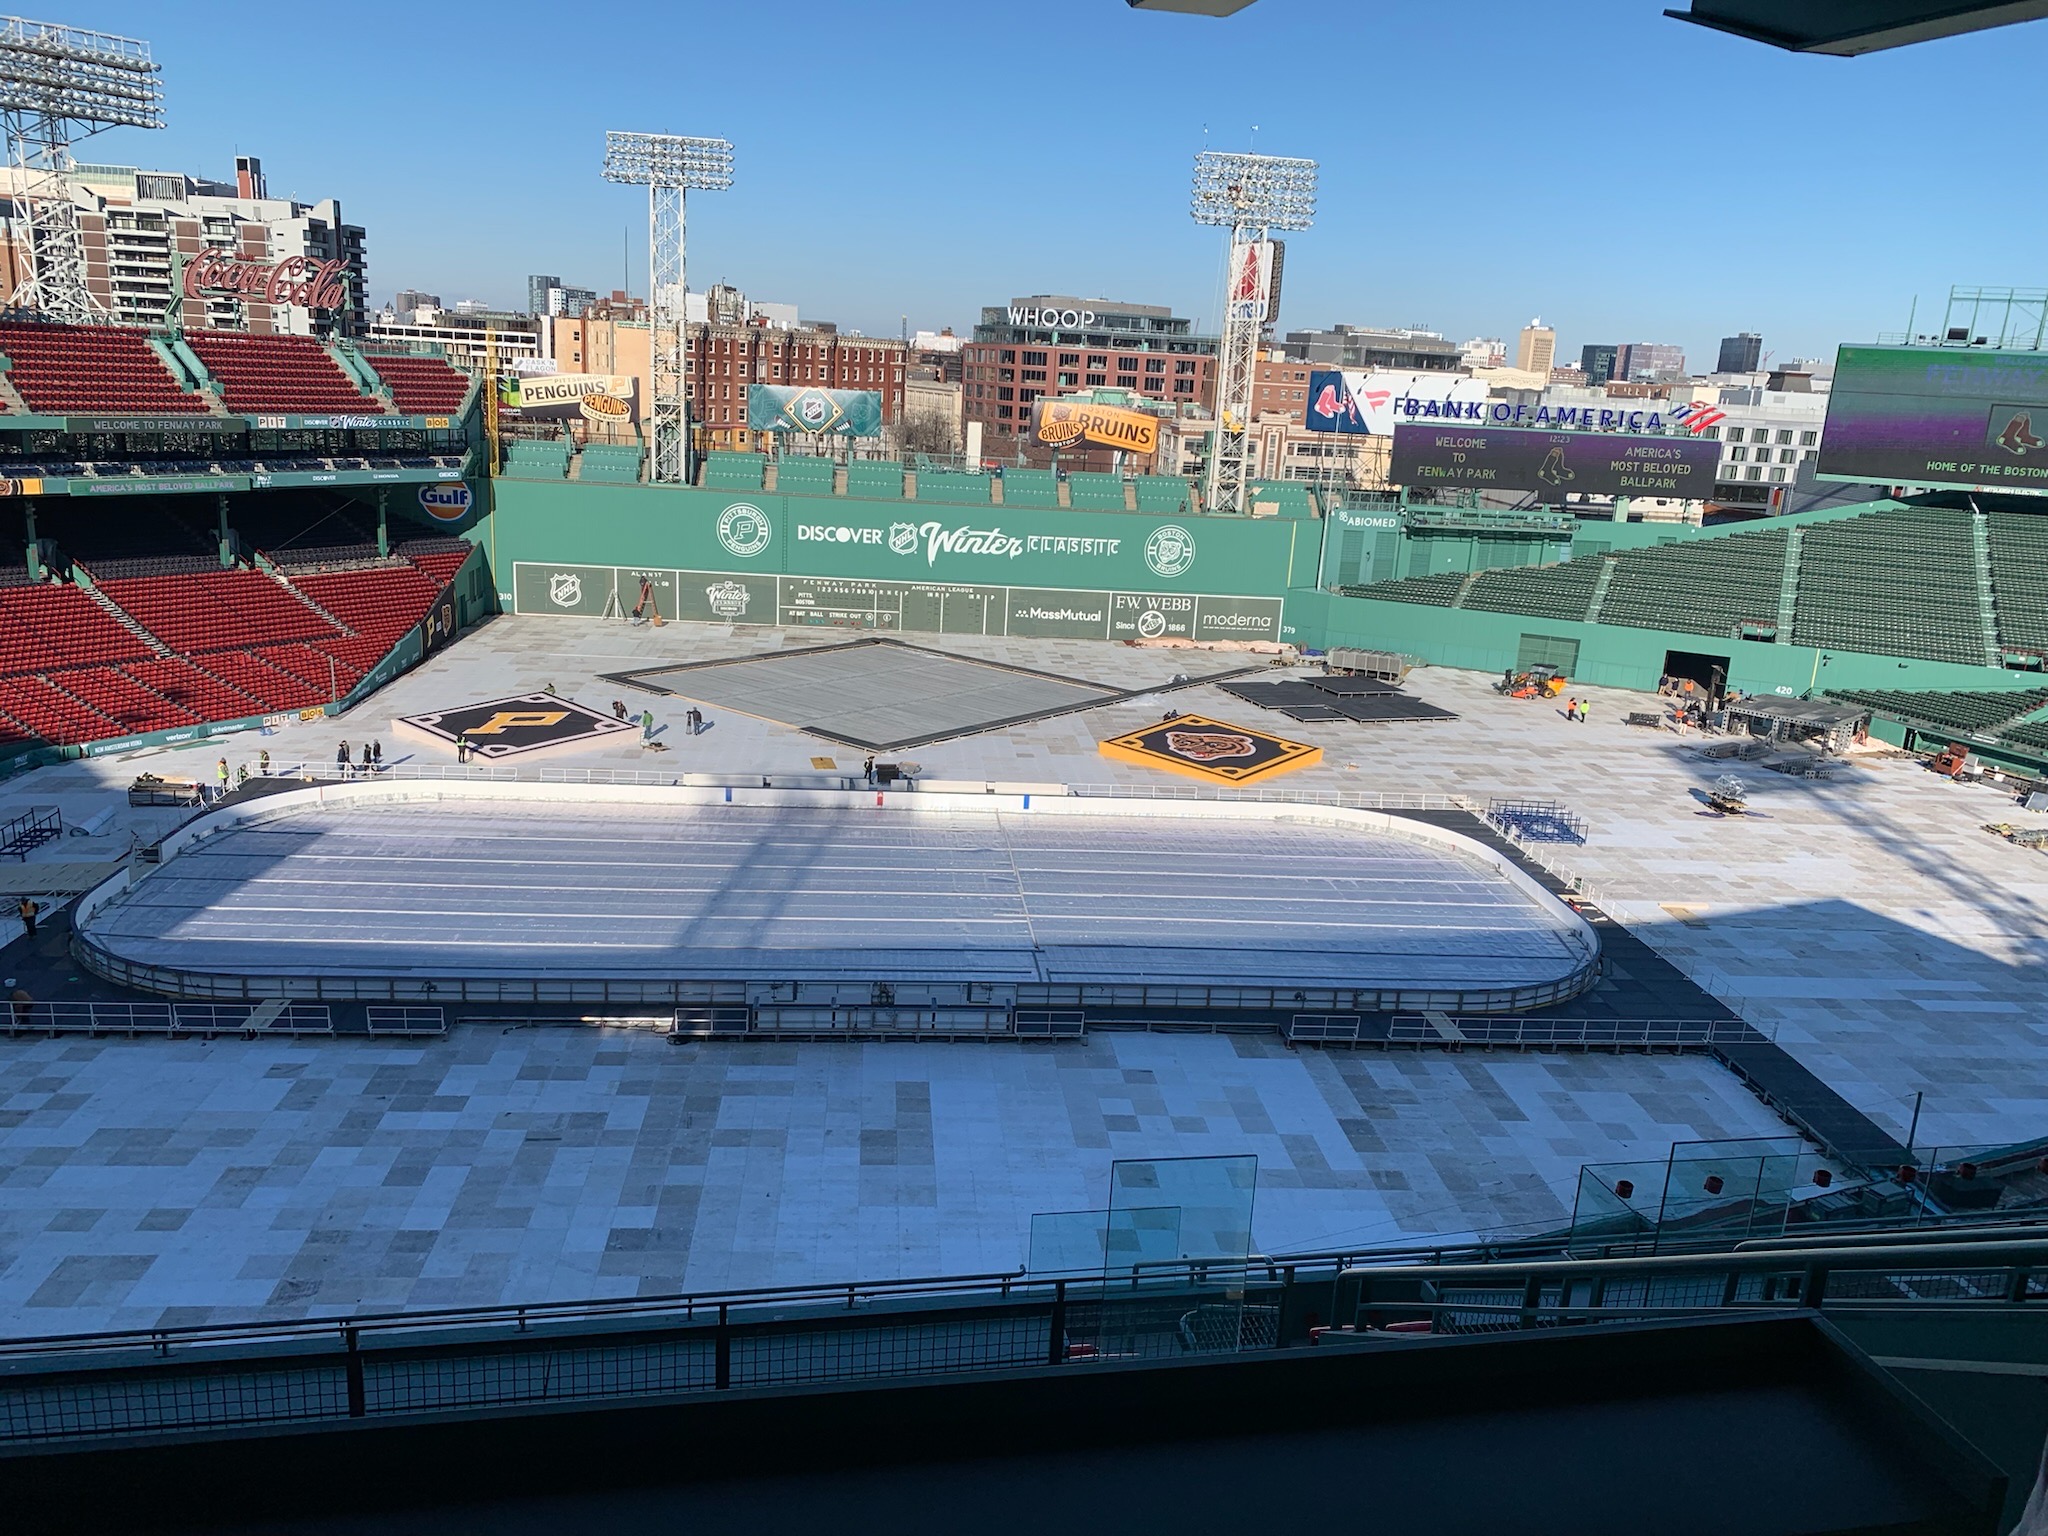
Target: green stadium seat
1429,591
1289,497
1167,493
879,479
734,471
1901,581
799,476
1710,586
1025,488
949,485
1971,712
1091,492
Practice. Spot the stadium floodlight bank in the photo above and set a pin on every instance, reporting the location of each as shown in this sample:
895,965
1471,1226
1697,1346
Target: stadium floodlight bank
60,85
669,166
1251,196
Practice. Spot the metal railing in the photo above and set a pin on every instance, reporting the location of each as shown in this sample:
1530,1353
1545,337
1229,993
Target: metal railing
384,1367
1592,1033
251,1017
1492,1298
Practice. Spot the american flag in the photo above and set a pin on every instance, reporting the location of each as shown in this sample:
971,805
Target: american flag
1696,417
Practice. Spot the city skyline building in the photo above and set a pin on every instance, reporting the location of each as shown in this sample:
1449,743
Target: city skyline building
1741,353
1596,361
1536,348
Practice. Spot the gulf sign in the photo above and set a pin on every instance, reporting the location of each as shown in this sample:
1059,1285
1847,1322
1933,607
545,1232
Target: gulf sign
446,503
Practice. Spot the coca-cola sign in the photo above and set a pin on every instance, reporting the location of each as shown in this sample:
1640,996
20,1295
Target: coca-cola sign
300,280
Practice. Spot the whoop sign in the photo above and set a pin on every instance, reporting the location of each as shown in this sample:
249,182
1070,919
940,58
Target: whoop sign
299,280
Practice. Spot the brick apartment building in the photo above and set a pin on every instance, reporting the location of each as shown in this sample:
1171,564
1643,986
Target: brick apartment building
1053,344
724,359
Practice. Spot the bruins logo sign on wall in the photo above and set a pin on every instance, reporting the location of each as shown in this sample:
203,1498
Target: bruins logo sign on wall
1211,749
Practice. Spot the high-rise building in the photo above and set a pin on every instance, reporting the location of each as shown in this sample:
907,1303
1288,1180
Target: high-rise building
138,226
1649,362
410,299
1741,354
1536,351
1597,362
537,287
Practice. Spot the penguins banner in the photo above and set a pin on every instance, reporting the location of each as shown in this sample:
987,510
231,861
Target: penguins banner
1554,465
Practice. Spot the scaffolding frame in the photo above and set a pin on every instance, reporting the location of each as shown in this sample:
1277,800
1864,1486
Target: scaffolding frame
1251,196
669,166
59,86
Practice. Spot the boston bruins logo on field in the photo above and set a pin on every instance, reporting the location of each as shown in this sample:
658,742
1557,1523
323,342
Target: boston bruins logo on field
1209,746
1214,750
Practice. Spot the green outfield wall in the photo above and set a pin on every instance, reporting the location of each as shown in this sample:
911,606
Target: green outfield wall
569,549
831,561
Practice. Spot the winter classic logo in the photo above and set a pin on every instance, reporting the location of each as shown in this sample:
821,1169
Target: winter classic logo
903,538
565,589
447,503
744,529
728,599
1170,550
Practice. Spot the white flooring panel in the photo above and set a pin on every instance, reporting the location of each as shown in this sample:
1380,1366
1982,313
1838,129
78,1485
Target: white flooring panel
158,1182
566,889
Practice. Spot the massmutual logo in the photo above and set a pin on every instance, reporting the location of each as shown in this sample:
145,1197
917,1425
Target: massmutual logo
744,529
1170,550
565,589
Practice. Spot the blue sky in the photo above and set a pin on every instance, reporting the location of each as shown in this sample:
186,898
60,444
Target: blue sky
1625,176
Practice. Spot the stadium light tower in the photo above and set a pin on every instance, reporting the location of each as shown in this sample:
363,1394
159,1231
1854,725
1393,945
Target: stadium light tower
1251,196
668,165
58,87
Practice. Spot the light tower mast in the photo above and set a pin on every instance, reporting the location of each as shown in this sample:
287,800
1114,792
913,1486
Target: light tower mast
58,87
668,166
1251,196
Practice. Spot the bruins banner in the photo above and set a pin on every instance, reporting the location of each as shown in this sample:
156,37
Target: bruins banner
1063,423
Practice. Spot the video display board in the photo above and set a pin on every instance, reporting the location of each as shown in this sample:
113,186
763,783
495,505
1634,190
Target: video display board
1938,416
1554,464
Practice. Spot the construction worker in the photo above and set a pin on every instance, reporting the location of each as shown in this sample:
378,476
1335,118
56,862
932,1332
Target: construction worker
26,907
462,748
220,775
263,762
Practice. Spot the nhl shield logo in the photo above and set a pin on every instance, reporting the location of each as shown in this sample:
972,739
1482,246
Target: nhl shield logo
1209,746
565,589
903,538
814,411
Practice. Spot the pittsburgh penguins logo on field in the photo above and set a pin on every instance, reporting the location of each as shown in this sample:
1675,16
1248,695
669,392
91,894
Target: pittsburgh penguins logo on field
533,722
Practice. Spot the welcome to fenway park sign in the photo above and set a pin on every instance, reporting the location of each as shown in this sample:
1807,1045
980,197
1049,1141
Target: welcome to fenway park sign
299,280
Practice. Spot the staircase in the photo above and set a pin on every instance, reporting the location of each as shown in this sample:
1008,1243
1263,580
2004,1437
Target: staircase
1600,591
1788,593
285,581
1987,598
121,615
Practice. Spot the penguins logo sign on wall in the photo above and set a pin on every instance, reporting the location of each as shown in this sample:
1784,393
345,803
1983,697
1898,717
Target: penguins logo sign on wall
1170,550
744,529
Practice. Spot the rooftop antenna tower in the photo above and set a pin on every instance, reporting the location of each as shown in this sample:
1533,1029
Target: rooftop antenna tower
1251,196
668,165
58,87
